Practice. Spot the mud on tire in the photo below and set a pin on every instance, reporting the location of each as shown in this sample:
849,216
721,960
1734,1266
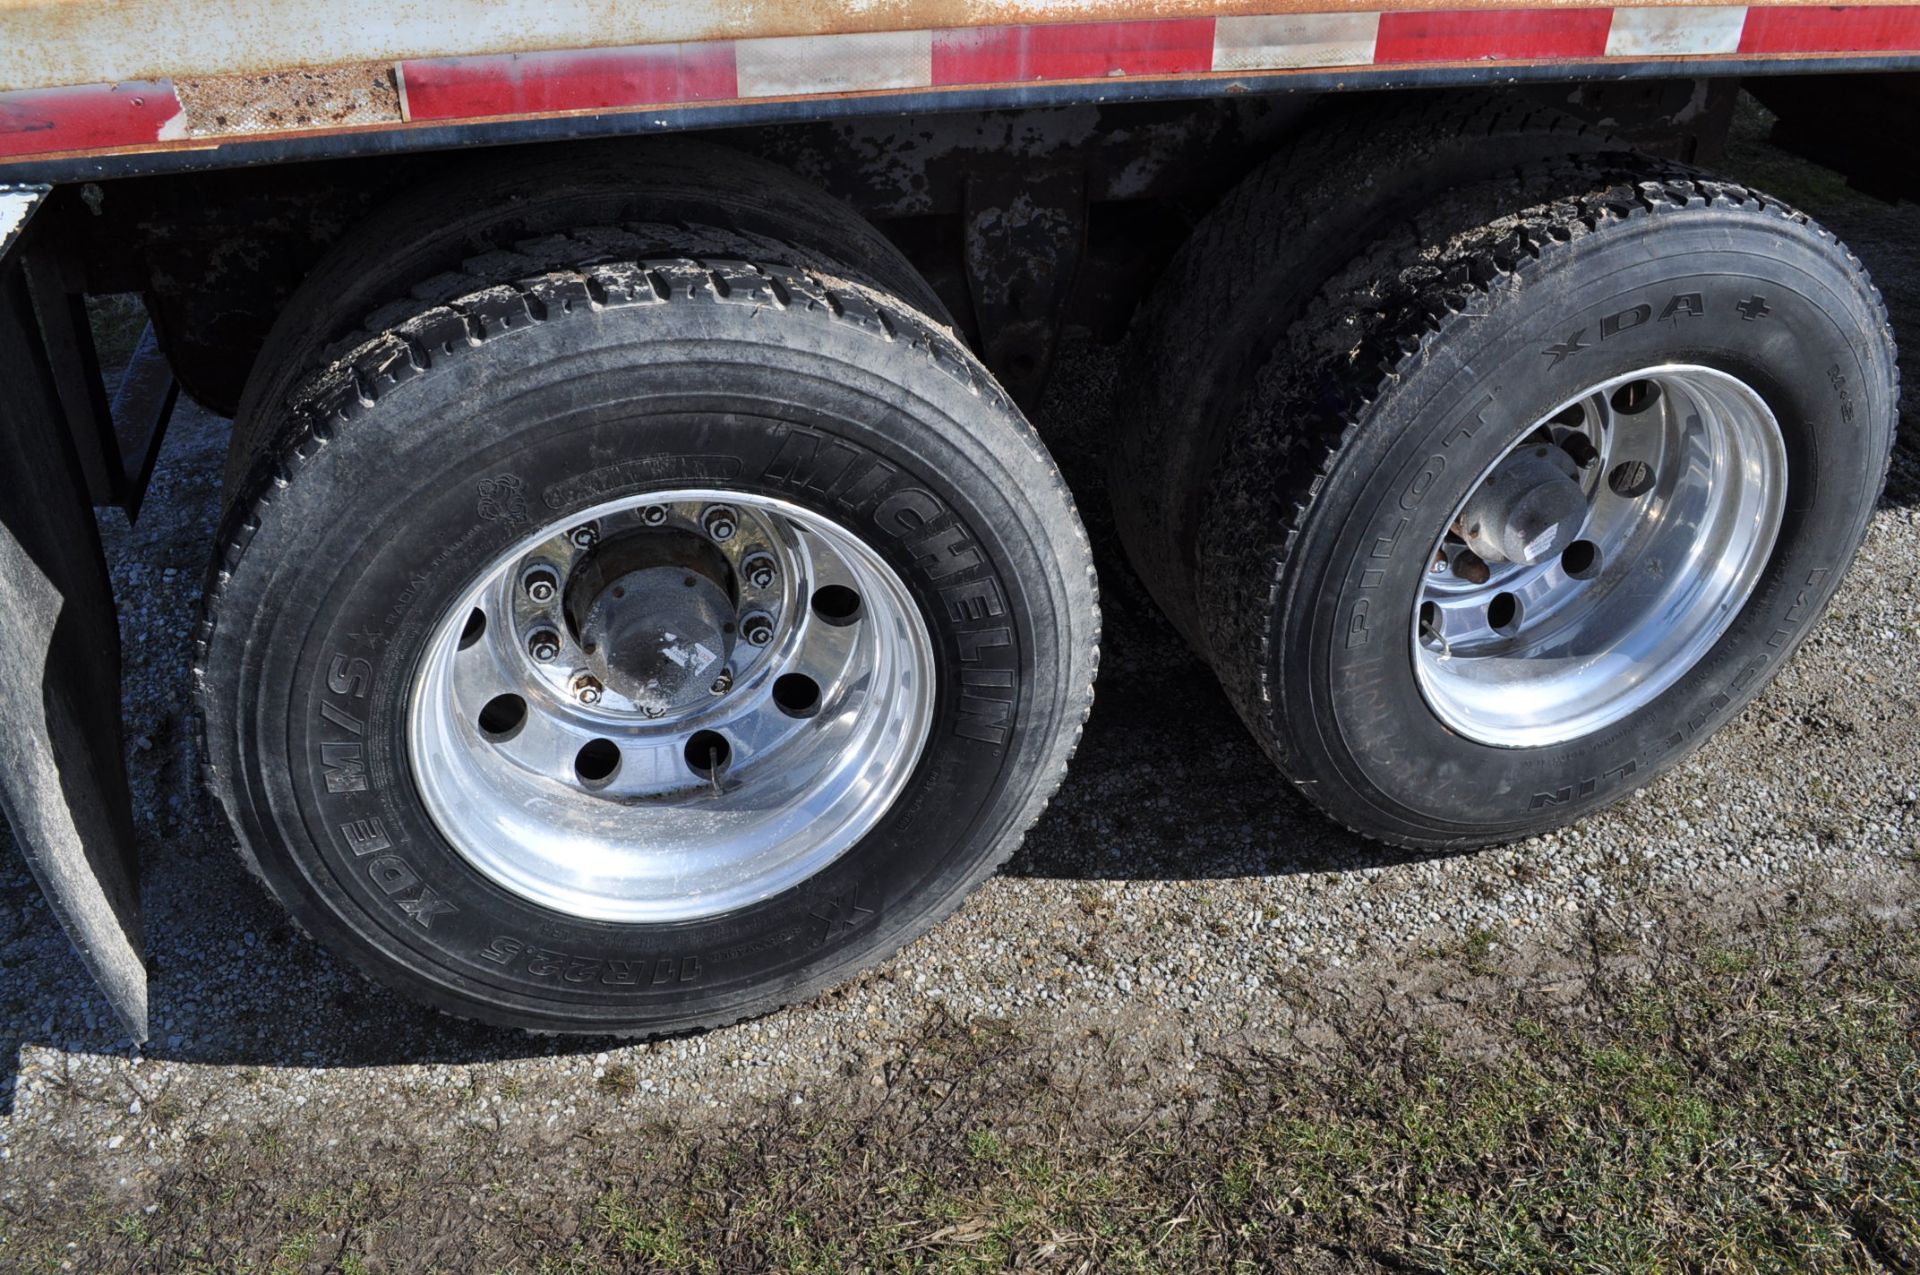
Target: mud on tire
428,449
1417,366
1221,311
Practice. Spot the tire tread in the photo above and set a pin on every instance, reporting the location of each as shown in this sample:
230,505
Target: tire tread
336,397
1220,312
1367,329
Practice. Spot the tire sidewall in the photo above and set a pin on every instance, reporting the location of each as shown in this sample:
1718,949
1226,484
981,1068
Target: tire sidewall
1662,289
879,438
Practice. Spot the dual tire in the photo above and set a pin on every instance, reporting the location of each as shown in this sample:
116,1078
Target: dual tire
405,470
442,489
1334,541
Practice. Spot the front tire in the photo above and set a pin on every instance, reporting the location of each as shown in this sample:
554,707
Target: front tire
436,466
1384,578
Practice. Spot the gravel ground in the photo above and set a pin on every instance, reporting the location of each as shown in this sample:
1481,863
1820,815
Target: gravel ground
1171,895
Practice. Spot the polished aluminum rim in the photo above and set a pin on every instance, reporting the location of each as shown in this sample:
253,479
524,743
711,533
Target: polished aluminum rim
671,706
1600,557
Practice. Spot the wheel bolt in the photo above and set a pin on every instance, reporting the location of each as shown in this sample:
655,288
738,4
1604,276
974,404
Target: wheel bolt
541,585
759,570
586,688
757,628
653,515
721,523
722,684
543,645
1581,448
584,536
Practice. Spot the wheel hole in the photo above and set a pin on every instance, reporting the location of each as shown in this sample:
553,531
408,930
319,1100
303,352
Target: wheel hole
1503,614
797,694
1635,397
708,753
1631,479
836,604
1581,560
596,761
475,629
1430,624
502,717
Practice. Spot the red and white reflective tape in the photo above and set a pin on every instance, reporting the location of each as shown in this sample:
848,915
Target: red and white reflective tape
976,57
89,118
497,86
551,83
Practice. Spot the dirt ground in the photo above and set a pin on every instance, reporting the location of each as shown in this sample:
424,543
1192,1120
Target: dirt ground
1192,1026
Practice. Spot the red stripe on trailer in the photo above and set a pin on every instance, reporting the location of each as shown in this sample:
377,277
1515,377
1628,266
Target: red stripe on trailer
90,117
587,80
1840,29
1480,35
1072,51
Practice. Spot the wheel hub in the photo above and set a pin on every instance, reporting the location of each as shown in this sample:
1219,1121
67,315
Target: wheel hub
671,706
1531,505
656,619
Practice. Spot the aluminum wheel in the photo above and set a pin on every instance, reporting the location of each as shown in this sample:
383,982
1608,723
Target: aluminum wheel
1600,557
670,707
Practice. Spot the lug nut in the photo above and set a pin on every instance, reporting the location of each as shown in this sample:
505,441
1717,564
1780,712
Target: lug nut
759,570
722,684
542,584
586,688
757,628
1581,448
653,515
543,645
721,523
585,536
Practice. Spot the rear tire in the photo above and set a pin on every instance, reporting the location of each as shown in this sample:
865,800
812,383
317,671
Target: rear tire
430,451
1421,365
487,220
1221,311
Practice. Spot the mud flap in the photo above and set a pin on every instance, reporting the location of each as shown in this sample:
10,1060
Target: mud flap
63,783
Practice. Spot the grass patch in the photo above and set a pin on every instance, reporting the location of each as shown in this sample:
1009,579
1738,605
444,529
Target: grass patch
1749,1101
618,1079
117,320
1783,175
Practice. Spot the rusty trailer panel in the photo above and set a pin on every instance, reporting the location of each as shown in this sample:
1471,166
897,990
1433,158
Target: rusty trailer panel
53,43
725,60
219,89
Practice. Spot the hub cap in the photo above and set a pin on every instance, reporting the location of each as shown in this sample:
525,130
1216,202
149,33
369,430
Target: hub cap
1600,557
671,706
